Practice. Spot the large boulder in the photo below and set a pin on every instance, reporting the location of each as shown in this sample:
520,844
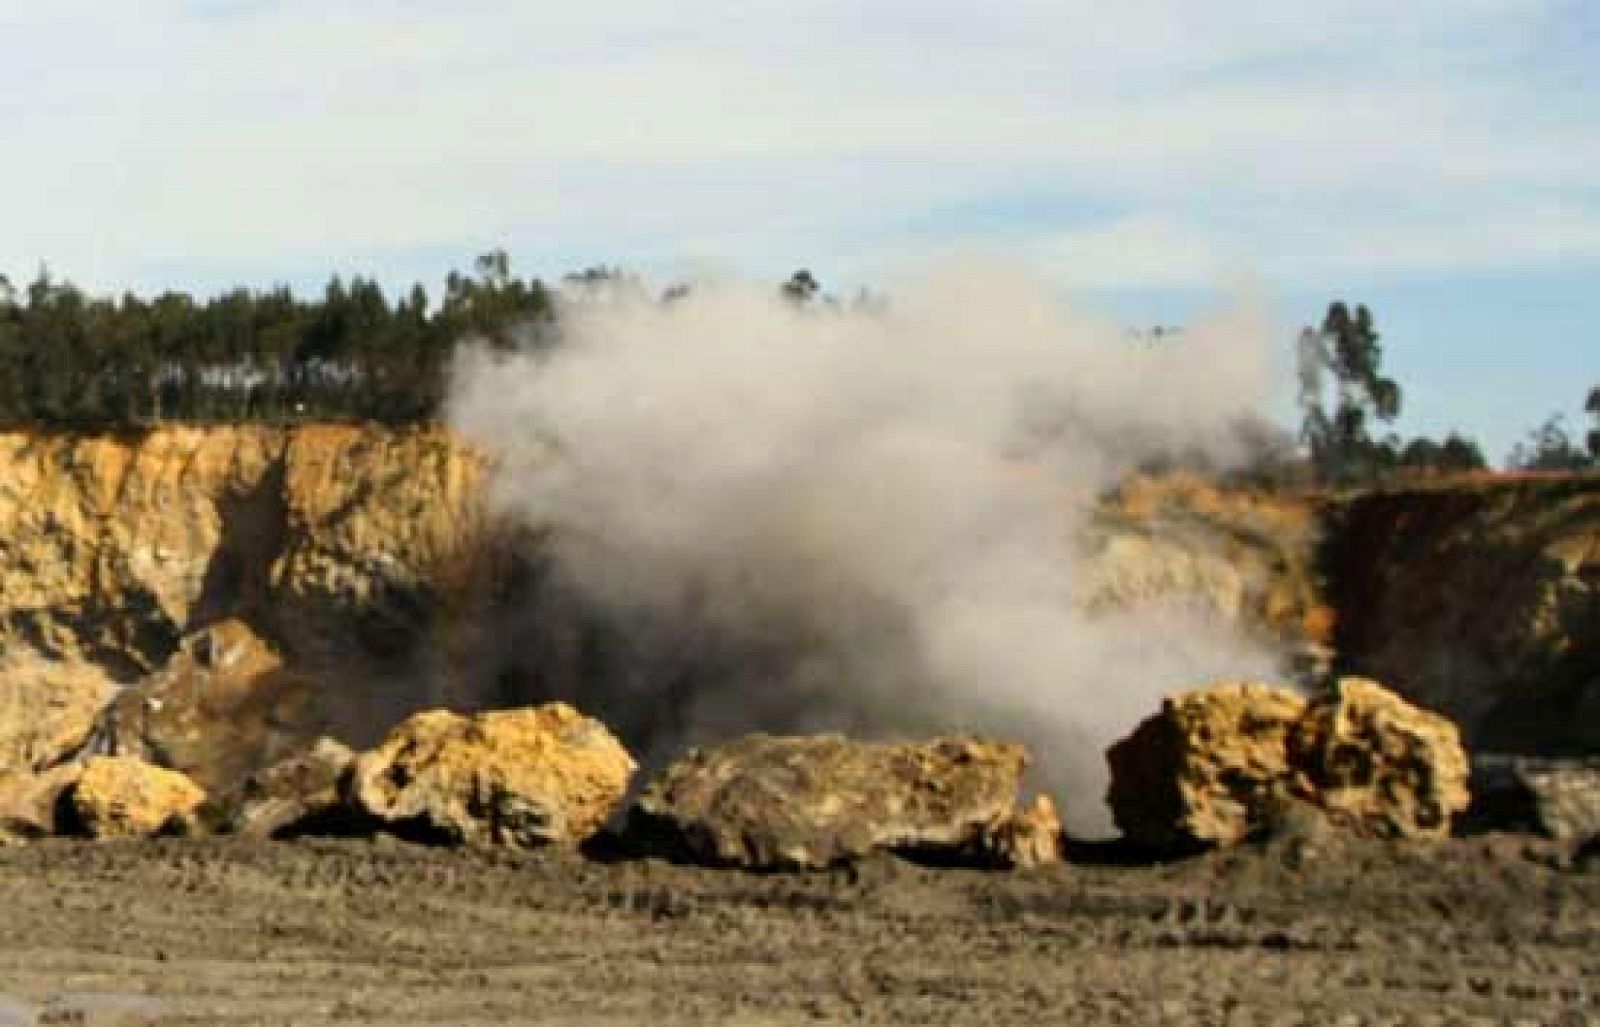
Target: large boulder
1218,765
124,797
767,801
518,778
1207,769
1378,764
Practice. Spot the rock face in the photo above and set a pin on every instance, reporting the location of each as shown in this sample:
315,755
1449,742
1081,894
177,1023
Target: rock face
1218,765
518,778
123,797
767,801
48,711
1208,768
1479,601
300,793
1247,557
344,545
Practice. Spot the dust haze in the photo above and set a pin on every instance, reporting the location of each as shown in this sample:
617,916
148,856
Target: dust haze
801,517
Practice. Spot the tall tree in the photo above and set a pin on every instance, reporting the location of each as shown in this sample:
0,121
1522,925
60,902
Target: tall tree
1347,346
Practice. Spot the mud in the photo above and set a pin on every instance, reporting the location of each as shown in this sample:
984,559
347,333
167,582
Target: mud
1493,929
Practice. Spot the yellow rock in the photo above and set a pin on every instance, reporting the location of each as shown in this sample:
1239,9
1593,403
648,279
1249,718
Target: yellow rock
1207,768
1378,764
519,778
122,797
1029,837
48,709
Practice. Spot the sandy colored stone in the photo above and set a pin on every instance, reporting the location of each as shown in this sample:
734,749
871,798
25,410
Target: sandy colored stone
1379,765
116,546
48,710
815,800
1207,768
520,778
33,805
121,797
1218,765
1030,837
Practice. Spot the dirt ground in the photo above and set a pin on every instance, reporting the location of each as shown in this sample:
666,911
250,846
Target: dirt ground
1496,929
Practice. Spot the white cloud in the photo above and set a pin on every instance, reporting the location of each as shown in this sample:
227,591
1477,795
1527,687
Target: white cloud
1178,138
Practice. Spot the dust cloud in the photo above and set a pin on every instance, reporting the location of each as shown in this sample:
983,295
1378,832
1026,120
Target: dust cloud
804,516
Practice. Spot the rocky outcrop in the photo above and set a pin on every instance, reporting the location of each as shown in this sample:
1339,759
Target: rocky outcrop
1243,556
124,797
48,711
343,544
768,801
518,778
1218,765
1480,601
300,794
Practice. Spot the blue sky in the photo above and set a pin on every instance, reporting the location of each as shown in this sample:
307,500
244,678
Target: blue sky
1436,159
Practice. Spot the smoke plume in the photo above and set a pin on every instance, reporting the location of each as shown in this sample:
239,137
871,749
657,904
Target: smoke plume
796,516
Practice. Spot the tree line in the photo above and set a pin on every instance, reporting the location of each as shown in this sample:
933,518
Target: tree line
70,360
1345,400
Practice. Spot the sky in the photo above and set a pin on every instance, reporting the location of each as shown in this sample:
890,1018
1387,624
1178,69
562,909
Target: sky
1438,160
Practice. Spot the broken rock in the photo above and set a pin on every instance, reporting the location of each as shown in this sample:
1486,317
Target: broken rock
519,778
767,801
1379,765
1030,837
34,805
124,797
293,794
1207,769
1214,766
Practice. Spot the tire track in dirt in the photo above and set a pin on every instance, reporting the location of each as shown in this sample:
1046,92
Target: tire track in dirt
225,932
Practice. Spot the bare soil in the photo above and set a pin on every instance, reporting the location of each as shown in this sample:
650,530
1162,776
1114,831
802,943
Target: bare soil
1494,929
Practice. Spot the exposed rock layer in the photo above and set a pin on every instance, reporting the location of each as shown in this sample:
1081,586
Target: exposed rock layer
1481,601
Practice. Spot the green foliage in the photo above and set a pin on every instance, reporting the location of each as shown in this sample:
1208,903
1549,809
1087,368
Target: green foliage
1342,447
67,360
1549,448
1341,443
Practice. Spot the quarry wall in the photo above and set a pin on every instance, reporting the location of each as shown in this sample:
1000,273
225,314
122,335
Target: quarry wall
289,582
